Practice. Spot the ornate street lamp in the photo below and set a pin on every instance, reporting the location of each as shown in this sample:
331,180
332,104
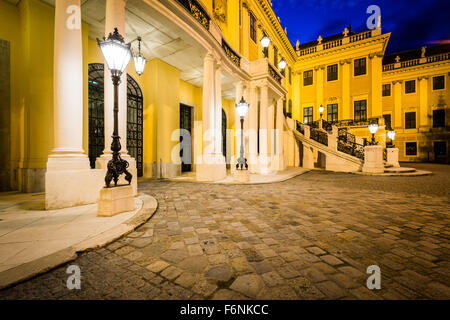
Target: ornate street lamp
265,41
391,135
139,60
321,109
373,128
242,109
117,55
282,65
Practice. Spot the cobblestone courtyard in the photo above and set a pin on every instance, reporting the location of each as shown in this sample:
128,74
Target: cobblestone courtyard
311,237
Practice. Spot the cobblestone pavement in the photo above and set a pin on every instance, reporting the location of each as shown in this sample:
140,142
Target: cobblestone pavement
311,237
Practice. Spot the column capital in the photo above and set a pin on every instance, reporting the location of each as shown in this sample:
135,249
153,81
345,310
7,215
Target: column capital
423,78
209,56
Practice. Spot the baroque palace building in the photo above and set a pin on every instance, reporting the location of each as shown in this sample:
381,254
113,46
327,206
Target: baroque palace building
56,96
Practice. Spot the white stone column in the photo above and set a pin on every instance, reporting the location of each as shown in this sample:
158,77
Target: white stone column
373,159
115,18
253,129
280,160
218,114
264,161
209,169
68,88
68,179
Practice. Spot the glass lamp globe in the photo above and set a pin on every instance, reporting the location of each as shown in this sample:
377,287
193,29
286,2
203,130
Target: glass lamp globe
321,108
391,135
282,64
265,41
139,64
242,108
373,128
117,54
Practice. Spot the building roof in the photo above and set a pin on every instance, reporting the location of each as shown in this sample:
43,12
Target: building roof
327,39
416,53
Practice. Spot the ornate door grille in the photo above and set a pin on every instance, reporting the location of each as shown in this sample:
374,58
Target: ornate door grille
135,108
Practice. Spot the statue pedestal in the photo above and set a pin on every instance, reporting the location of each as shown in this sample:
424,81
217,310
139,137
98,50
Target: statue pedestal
373,159
392,157
241,176
115,200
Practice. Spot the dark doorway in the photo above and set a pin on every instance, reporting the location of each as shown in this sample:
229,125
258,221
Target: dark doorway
224,134
185,138
135,107
440,151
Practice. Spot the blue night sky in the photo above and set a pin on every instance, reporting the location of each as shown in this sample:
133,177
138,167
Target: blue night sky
413,23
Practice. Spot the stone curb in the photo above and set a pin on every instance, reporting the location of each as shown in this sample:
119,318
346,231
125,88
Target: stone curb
41,265
293,175
406,174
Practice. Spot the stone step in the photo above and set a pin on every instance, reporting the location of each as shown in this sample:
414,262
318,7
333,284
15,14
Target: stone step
399,170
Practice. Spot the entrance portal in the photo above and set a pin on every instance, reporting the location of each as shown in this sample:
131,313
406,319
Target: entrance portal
185,138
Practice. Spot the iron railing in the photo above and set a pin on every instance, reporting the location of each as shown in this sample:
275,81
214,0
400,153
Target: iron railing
327,126
300,127
319,136
347,144
197,11
274,74
232,55
354,123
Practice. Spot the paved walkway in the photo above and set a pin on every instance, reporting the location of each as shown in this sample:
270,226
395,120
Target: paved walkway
29,234
311,237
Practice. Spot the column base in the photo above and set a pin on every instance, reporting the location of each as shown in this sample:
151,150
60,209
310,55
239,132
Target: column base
264,162
72,187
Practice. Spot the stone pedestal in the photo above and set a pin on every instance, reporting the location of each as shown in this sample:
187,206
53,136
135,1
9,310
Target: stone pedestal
115,200
373,159
241,176
392,157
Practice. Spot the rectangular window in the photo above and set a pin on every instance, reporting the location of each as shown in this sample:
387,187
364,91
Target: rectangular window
308,115
332,72
387,121
410,86
410,120
308,78
411,148
332,112
252,27
290,75
275,56
438,83
386,90
439,118
360,66
360,110
440,149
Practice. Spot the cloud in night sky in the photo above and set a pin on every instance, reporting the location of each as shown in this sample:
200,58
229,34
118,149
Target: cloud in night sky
412,23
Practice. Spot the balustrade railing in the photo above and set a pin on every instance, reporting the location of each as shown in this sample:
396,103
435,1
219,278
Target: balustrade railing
234,57
327,126
300,127
197,11
347,144
319,136
353,123
415,62
274,74
360,36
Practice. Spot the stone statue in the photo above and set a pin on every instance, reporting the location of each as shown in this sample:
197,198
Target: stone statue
220,10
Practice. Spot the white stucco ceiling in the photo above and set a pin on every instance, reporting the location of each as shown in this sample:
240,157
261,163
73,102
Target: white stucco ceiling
161,39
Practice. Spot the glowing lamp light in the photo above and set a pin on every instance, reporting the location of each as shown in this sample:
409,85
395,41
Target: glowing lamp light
117,54
321,108
373,128
282,64
265,41
139,60
242,108
391,135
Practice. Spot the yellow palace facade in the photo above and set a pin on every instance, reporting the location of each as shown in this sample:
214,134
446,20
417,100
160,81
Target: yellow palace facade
179,116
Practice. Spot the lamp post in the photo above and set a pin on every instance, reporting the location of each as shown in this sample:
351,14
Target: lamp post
265,41
321,109
391,135
373,128
242,109
117,55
